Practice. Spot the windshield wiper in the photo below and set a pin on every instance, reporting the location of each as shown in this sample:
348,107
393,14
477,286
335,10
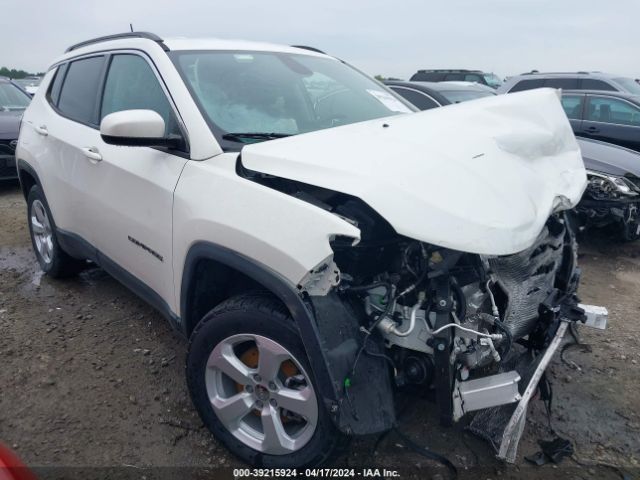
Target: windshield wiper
240,136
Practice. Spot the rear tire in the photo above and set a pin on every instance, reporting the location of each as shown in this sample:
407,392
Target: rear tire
261,430
54,261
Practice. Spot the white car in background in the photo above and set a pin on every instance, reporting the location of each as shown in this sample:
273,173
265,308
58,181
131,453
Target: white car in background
319,243
29,84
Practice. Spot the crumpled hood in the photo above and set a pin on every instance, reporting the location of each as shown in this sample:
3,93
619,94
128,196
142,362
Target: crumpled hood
481,176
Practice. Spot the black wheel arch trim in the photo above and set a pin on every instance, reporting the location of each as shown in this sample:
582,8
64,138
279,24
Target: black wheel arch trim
23,166
276,284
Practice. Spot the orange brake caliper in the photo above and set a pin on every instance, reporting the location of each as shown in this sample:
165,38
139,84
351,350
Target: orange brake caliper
251,358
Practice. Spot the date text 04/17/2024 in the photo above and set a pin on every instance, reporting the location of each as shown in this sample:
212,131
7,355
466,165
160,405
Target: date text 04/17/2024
315,473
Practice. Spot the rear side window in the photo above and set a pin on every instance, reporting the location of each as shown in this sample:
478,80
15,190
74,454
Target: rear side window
56,85
572,105
427,77
613,110
419,99
79,92
454,77
564,83
592,84
131,84
528,84
473,77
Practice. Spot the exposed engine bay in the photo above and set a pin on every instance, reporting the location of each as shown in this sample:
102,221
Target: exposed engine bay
448,321
494,301
438,320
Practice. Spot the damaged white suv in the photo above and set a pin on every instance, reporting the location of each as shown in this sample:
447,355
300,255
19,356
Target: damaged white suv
373,248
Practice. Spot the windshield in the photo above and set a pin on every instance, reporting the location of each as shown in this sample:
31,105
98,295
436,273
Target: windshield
629,84
457,96
12,98
265,95
492,80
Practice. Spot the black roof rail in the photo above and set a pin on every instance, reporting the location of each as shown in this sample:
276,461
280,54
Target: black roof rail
305,47
147,35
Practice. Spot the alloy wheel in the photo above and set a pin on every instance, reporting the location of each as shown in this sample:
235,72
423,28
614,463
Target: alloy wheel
42,231
261,394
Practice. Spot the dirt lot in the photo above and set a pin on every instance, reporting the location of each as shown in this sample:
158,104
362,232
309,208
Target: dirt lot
90,376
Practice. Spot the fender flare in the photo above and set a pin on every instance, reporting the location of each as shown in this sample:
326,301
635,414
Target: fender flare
23,166
281,288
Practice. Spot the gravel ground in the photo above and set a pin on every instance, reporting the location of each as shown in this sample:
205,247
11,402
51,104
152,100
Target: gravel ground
91,377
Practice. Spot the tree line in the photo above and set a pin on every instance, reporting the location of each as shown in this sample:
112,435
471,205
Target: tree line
16,74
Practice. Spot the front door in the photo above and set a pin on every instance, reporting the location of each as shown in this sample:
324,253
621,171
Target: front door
612,119
128,191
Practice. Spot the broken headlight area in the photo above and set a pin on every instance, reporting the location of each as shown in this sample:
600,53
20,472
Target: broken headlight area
471,329
611,200
602,186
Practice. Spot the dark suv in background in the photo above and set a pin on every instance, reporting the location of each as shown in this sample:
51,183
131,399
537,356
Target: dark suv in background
426,95
457,75
612,117
13,101
571,81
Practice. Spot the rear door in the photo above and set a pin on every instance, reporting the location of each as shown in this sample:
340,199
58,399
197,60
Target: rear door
66,126
612,119
573,105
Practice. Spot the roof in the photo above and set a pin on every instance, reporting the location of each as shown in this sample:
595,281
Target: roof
580,74
144,39
183,43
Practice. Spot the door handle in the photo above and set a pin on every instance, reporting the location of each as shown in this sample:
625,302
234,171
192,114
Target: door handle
92,153
592,129
42,130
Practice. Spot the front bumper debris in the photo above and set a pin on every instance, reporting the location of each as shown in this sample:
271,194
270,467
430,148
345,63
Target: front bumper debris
595,317
485,392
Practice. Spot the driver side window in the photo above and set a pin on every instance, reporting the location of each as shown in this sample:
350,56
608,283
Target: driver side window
131,84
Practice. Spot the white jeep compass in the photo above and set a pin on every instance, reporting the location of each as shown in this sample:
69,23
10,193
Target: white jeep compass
319,243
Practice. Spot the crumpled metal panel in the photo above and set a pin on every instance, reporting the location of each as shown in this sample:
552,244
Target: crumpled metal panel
518,147
528,277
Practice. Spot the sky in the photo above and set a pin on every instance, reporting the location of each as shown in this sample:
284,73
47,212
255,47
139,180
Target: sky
390,38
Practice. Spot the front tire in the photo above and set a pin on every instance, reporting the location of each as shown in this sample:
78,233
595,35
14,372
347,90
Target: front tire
54,261
252,385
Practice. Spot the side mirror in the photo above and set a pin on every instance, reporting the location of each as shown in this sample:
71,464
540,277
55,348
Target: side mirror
136,128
